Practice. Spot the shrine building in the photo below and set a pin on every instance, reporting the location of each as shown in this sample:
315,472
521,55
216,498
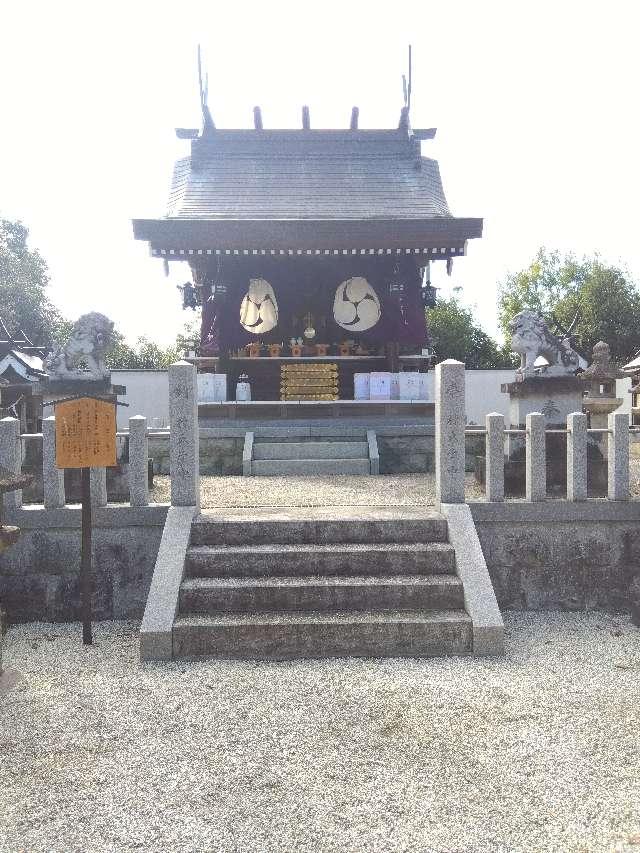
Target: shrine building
310,252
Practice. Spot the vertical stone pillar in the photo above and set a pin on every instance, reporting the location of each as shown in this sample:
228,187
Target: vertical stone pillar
450,424
98,482
138,461
494,457
184,448
576,457
52,477
618,463
536,458
11,456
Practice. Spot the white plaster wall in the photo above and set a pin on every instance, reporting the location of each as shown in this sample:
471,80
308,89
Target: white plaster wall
483,395
147,394
482,392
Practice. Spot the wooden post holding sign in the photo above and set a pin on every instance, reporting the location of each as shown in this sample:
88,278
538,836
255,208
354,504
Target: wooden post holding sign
85,438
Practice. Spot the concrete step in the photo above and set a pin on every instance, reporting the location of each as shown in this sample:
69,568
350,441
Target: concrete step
268,594
318,526
280,560
310,450
308,467
281,636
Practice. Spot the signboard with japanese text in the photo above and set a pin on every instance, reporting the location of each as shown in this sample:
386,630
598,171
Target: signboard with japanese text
85,433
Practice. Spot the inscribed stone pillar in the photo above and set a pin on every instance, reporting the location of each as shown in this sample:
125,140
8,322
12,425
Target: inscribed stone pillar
11,456
494,457
618,462
52,477
184,439
450,424
138,461
536,461
577,457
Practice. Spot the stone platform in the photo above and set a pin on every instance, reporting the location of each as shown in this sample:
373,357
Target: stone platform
317,409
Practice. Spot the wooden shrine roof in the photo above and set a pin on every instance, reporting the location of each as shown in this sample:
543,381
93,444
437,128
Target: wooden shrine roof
310,189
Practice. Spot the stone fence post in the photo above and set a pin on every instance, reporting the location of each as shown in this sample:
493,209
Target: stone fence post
450,424
11,456
618,462
138,461
536,458
52,477
577,457
184,466
494,457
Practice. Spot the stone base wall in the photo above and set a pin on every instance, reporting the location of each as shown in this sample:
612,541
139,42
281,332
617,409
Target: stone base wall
39,576
218,456
558,555
549,556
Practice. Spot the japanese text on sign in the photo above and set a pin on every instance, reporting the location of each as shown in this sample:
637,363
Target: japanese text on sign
85,433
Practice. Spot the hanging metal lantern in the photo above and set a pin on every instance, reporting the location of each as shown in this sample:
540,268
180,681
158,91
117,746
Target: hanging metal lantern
429,295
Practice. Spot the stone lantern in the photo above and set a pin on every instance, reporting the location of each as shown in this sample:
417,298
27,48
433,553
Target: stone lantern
600,380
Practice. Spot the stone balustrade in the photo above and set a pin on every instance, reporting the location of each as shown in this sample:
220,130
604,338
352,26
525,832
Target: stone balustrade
183,438
450,447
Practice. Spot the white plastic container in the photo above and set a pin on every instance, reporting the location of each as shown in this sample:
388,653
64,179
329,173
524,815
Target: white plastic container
380,386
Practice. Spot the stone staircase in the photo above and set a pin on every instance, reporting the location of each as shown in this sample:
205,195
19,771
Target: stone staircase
349,582
310,456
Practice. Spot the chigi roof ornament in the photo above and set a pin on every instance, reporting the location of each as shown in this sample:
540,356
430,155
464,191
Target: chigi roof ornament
207,121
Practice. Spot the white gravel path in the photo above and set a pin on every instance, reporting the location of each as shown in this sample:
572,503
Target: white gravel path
385,490
539,751
348,490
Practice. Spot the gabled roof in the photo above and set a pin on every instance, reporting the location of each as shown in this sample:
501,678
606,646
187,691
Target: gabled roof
290,188
306,175
26,365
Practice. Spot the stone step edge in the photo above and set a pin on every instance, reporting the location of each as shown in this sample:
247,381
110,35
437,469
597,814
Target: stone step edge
202,551
309,581
345,514
364,617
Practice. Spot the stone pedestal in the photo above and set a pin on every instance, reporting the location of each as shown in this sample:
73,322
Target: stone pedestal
555,396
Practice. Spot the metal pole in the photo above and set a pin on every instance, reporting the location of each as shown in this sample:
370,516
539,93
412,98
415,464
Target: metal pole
85,558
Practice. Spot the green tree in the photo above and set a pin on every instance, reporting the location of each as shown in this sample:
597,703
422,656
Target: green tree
604,298
189,338
24,280
145,355
454,334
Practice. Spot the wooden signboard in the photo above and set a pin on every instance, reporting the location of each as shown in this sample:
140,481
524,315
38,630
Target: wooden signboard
85,433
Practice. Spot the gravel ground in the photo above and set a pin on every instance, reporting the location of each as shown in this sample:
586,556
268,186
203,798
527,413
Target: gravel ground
539,751
351,490
387,490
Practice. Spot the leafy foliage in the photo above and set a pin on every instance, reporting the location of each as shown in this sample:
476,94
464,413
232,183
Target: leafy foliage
606,301
189,338
24,280
454,334
145,355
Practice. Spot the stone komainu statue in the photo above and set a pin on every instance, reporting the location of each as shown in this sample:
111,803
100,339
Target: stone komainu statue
531,338
89,340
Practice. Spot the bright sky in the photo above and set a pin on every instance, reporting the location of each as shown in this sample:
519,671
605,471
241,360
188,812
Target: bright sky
536,105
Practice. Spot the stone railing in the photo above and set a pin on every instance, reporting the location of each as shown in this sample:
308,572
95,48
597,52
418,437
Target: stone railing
450,447
183,451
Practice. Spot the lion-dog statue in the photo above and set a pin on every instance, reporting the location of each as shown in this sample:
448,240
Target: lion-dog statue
82,357
531,338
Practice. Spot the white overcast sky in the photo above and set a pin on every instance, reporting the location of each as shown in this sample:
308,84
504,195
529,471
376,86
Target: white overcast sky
536,105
